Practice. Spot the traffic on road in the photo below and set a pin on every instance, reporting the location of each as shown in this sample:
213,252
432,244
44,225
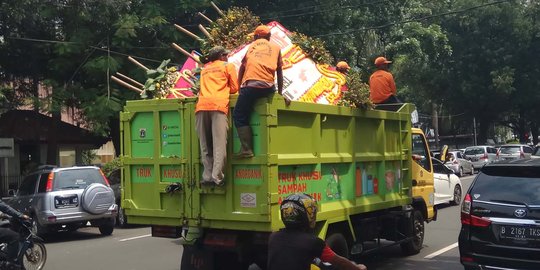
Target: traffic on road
133,248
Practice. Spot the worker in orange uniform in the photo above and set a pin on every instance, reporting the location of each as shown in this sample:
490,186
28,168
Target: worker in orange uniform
218,80
382,87
256,76
343,67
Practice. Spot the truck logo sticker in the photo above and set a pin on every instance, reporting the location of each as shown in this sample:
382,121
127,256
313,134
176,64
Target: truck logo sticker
142,132
164,127
250,175
248,200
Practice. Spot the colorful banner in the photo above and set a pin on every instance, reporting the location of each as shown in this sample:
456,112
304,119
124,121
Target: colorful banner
303,79
182,87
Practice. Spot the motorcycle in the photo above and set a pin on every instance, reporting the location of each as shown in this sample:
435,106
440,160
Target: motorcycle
32,254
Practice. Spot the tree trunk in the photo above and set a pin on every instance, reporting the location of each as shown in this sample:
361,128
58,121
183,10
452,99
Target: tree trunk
114,125
52,139
534,132
483,128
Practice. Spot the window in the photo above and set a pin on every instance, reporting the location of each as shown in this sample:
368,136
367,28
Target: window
438,167
527,150
459,155
510,149
512,184
28,185
474,151
419,148
76,178
42,187
491,150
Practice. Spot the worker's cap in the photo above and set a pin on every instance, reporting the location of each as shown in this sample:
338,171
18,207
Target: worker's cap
343,65
381,61
261,30
216,52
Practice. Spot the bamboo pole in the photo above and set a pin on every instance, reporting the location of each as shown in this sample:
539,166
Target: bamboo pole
137,63
187,79
129,79
205,32
216,8
127,85
204,17
186,53
187,32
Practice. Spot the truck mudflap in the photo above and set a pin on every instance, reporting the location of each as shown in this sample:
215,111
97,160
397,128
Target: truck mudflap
196,258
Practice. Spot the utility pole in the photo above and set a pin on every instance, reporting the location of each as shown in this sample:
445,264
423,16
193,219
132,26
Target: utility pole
435,122
474,130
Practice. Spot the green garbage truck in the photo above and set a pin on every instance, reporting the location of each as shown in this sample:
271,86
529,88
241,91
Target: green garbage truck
369,170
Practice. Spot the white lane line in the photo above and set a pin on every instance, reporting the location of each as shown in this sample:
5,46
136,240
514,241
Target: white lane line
136,237
441,251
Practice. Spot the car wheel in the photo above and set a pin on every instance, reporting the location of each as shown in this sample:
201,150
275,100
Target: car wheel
460,173
457,195
37,228
121,218
107,228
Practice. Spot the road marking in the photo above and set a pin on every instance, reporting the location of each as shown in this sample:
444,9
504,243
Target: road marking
134,238
441,251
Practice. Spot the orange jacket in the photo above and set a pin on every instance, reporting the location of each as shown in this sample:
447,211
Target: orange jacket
261,61
218,80
381,86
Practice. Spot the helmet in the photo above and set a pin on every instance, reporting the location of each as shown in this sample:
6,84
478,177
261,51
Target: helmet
299,211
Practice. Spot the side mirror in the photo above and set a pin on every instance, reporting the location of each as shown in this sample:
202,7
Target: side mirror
12,192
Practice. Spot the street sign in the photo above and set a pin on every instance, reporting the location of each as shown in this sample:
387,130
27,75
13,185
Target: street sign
6,147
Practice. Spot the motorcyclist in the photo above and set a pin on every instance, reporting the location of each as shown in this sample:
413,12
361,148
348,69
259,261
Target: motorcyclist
8,236
295,247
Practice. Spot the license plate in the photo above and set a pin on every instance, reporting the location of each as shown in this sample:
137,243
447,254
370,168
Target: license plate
66,201
520,232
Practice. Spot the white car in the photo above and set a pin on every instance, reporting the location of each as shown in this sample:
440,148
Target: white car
447,184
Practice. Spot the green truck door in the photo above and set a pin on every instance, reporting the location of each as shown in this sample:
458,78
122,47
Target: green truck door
156,155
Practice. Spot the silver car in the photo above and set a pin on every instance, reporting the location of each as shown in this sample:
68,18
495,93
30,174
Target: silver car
458,163
480,155
514,151
67,199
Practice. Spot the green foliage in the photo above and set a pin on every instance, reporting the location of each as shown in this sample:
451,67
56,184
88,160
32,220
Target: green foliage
313,47
110,166
159,81
358,92
88,157
231,30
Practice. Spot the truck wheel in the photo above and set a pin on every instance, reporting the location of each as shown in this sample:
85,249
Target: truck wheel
338,243
417,232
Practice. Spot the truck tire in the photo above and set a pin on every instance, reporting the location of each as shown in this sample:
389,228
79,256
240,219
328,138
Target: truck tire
338,243
417,232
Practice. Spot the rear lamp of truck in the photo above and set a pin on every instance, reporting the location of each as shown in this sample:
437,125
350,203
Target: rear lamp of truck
223,240
166,231
49,185
471,220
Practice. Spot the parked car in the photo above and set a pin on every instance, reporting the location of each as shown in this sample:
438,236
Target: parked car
536,152
514,151
500,215
480,155
447,184
114,179
458,163
67,199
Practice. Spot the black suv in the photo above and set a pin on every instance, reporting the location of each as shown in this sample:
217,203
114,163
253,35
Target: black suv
500,217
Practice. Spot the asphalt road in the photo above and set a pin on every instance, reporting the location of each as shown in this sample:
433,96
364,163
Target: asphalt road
134,249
